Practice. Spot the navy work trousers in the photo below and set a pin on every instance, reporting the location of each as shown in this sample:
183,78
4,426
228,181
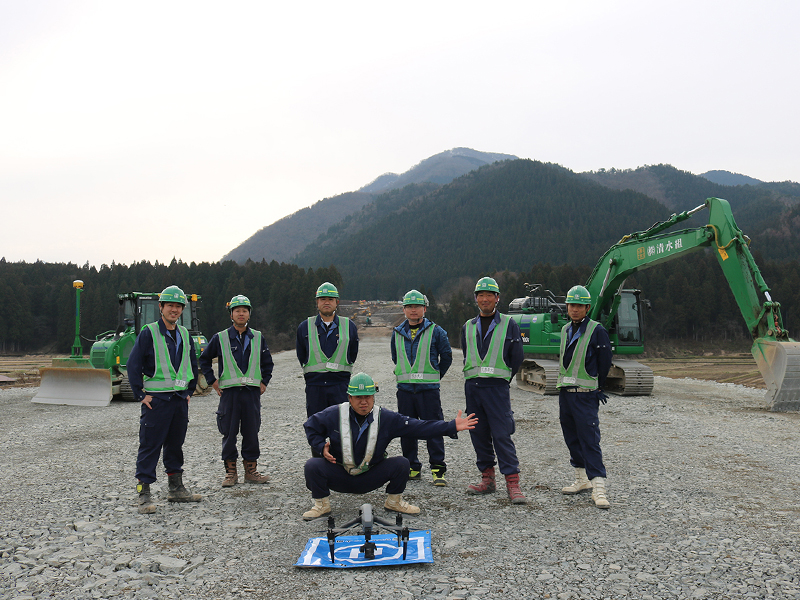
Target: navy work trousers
492,434
426,405
323,476
162,426
239,411
580,425
320,397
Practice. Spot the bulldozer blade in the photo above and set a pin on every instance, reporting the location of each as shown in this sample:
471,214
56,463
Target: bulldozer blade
779,363
74,386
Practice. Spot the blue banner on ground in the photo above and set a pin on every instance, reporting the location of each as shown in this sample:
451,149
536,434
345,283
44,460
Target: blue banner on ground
347,554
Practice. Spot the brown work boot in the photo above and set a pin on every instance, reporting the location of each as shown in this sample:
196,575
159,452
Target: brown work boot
485,485
146,505
231,474
514,493
251,475
177,492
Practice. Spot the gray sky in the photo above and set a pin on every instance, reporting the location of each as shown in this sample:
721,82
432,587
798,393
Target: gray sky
150,130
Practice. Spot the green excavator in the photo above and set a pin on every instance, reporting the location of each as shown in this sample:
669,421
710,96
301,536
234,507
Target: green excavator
93,381
541,315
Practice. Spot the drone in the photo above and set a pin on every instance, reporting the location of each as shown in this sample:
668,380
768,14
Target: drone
369,524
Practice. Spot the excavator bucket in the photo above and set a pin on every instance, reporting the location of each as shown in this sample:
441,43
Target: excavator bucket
74,386
779,363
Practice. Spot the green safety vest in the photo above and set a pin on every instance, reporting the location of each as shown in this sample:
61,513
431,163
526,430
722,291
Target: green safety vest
232,375
422,370
165,378
575,374
347,439
317,360
493,364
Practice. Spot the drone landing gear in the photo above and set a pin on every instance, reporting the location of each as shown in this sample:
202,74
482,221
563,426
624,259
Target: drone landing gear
368,521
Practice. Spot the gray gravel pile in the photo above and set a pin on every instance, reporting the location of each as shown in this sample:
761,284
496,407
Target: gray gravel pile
703,483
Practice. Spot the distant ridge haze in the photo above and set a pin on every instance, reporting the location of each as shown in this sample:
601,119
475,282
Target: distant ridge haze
330,220
287,237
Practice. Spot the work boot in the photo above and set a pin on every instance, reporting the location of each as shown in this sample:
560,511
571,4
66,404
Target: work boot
146,505
231,474
438,475
414,475
176,492
599,493
485,485
251,475
396,503
514,493
322,506
581,483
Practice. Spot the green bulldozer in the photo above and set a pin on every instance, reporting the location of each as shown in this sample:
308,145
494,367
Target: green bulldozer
541,315
93,381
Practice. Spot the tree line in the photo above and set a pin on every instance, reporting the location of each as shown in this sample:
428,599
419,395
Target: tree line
37,300
691,300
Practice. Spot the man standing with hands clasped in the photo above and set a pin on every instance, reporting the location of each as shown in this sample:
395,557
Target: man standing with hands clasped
162,370
583,368
327,347
492,345
422,354
245,368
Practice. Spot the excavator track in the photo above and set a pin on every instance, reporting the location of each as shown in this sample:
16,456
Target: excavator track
629,378
539,376
626,377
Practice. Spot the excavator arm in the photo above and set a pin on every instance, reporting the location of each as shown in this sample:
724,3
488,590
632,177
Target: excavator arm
777,355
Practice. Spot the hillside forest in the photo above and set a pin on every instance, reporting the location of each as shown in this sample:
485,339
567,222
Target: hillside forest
521,221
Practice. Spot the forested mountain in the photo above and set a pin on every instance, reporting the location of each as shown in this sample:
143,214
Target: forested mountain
768,213
508,215
288,236
440,168
518,220
728,178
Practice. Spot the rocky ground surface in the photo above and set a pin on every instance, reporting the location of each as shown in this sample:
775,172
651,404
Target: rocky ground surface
703,483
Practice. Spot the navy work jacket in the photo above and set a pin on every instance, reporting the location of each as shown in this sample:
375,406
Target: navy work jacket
513,355
142,361
328,343
598,354
324,426
441,352
241,349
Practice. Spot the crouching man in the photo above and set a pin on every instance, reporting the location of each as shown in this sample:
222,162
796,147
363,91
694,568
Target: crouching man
352,439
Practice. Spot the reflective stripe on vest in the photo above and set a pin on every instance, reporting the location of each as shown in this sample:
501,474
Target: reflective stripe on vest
347,439
422,370
165,378
493,364
317,360
576,375
232,375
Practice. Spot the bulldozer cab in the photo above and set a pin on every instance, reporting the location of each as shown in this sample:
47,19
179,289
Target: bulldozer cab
137,309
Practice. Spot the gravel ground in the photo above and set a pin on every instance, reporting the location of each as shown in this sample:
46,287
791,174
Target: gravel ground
703,483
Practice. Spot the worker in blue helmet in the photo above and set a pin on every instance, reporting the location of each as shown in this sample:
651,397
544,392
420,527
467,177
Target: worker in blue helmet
422,355
350,442
162,371
583,367
327,347
492,346
244,365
